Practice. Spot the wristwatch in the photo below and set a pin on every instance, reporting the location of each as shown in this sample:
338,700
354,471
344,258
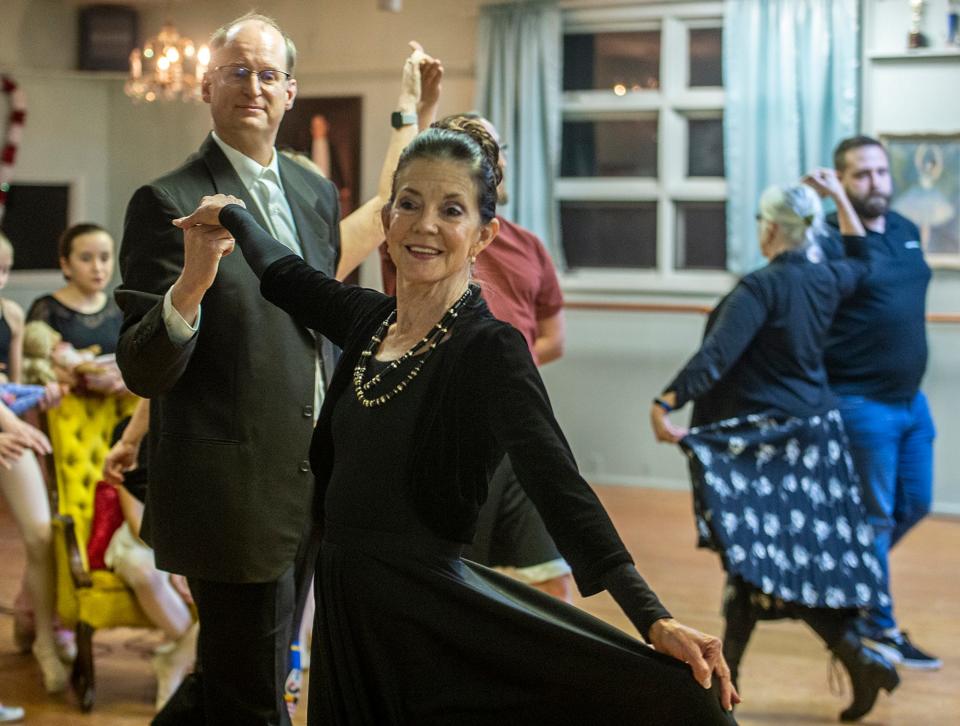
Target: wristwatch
398,119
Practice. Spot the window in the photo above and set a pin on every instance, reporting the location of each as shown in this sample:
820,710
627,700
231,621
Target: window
641,185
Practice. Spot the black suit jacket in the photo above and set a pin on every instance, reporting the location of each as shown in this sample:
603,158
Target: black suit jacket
231,413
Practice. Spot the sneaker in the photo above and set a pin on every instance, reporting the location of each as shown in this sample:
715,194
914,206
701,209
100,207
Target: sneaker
10,714
896,647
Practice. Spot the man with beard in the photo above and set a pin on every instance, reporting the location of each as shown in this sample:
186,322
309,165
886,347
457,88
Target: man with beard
876,356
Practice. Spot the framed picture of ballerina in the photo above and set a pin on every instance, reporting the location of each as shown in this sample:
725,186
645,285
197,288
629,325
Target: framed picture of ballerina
925,170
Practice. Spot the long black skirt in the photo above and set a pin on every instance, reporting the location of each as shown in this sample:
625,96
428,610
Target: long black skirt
409,633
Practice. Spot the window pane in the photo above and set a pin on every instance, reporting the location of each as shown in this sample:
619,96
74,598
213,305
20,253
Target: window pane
701,236
705,147
608,60
609,234
706,48
609,148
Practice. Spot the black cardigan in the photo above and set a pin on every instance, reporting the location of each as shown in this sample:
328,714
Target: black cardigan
763,348
488,400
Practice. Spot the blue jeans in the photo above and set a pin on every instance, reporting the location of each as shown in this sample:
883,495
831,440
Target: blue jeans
892,448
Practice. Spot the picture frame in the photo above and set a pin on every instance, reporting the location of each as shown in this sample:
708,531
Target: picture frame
108,33
925,171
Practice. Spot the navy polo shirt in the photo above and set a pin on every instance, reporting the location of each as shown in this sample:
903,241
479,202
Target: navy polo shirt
877,345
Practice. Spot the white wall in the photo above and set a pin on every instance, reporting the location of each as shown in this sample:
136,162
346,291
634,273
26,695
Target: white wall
82,129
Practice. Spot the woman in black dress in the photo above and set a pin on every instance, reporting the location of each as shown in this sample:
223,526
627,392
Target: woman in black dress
775,490
429,394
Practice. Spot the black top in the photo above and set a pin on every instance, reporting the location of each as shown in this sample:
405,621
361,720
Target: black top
367,484
6,337
877,346
81,330
486,399
764,342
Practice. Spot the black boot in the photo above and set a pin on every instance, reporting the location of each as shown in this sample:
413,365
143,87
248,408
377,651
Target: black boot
869,672
741,618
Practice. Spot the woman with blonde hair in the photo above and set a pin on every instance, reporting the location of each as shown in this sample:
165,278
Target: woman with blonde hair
775,491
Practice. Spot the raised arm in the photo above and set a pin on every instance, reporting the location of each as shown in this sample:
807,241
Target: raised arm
362,231
315,300
151,356
849,270
825,183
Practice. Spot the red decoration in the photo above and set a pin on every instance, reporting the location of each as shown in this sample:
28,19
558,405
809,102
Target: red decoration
18,114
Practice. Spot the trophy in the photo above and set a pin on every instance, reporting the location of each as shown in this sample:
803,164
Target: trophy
916,37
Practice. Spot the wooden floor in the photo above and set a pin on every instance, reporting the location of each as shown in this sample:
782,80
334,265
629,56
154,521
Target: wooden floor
783,678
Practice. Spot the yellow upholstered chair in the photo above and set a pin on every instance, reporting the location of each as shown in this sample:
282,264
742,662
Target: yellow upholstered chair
80,429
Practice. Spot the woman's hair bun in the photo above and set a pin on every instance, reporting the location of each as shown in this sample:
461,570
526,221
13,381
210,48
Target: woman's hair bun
472,126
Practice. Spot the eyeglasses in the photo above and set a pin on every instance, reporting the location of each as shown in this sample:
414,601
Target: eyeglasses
239,76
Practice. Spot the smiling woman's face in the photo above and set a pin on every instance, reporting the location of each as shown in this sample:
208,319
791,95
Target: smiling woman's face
433,226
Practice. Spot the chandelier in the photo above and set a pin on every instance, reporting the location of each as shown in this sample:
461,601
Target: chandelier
168,67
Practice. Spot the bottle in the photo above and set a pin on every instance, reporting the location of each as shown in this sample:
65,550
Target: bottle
953,23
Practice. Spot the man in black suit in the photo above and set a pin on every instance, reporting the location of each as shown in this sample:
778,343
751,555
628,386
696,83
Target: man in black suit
234,381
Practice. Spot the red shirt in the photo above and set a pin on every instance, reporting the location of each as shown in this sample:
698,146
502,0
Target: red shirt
516,275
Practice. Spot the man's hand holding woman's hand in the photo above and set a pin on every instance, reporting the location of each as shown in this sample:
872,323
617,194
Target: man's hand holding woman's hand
205,241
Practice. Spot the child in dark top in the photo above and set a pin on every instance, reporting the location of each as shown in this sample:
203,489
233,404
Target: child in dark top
82,311
776,494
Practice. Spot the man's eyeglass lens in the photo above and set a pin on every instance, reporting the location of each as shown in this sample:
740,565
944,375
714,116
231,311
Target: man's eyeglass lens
238,75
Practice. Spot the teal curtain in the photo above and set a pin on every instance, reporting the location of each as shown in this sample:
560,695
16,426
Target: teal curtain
791,70
519,56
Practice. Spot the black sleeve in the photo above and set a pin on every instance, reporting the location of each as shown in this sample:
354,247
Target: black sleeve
851,268
40,310
315,300
635,598
151,258
741,316
260,250
519,415
831,242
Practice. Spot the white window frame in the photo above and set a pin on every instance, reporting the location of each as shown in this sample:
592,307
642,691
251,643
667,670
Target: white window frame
672,103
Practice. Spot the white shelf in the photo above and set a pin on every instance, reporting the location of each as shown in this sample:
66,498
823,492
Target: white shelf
916,55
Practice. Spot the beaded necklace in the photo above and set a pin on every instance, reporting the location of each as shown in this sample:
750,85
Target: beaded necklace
430,341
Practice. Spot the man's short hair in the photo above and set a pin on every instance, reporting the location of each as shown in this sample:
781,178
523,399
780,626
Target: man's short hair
219,37
854,142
